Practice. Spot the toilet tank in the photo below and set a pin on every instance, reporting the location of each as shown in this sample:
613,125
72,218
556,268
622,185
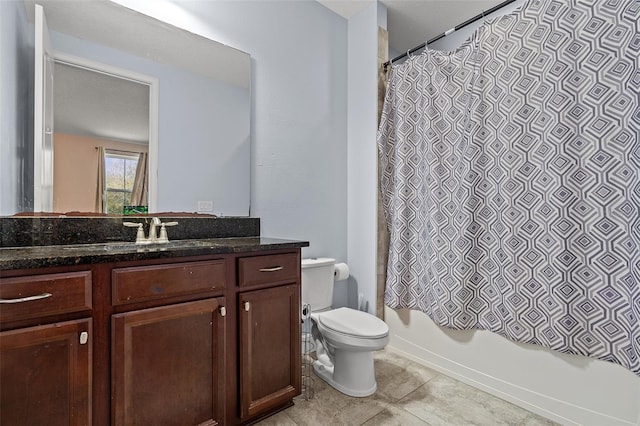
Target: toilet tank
317,283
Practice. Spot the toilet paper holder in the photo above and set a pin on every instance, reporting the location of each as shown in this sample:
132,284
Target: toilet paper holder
341,272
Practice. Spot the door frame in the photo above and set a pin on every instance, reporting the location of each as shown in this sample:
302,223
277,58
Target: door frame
43,114
153,83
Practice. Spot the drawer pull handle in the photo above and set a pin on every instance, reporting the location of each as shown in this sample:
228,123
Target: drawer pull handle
274,269
26,299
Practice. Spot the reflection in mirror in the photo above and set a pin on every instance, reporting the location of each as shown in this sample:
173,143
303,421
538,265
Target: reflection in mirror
203,128
101,140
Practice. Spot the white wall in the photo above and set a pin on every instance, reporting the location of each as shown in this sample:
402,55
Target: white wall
16,108
362,156
566,388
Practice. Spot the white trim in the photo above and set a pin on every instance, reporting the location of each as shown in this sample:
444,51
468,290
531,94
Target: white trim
38,115
554,409
42,181
154,89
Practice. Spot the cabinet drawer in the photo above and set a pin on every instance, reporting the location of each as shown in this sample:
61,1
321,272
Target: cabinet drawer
36,296
268,269
143,283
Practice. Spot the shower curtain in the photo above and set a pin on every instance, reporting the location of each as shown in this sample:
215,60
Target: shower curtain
510,179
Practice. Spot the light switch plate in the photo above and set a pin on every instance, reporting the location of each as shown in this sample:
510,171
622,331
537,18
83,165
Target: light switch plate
205,206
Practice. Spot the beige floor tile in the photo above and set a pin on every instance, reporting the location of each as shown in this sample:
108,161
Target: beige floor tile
278,419
392,416
408,394
445,401
357,412
536,420
397,376
330,407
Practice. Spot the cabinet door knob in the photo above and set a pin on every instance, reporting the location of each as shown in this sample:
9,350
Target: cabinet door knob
247,306
84,337
223,311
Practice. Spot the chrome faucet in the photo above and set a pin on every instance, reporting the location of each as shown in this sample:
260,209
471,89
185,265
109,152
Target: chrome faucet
153,231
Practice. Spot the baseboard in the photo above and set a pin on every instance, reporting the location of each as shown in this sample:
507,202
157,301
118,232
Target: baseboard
554,409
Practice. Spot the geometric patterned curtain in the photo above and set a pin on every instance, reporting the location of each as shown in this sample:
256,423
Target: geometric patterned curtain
511,179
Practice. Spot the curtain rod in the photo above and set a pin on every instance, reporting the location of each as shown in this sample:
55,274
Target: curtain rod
446,33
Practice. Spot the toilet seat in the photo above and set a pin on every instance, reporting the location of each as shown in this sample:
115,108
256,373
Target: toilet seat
353,323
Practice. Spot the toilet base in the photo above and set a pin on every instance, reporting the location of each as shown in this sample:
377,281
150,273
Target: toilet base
352,373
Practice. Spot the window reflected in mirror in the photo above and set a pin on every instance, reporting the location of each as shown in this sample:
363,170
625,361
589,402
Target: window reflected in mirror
124,175
79,165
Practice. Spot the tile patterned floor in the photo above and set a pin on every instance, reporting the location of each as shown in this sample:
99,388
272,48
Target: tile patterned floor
408,394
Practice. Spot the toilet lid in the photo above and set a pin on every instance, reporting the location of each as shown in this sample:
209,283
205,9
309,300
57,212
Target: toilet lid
354,323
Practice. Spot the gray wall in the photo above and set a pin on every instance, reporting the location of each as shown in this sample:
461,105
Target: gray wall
16,108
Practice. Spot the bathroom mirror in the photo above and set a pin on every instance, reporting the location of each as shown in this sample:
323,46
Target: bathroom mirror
203,103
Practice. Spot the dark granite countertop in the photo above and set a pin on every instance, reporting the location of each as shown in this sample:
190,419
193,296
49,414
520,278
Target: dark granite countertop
48,231
77,254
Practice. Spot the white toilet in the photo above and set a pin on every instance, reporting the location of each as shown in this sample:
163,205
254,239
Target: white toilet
345,338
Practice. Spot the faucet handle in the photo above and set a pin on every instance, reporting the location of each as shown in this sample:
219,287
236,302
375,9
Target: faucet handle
164,238
140,234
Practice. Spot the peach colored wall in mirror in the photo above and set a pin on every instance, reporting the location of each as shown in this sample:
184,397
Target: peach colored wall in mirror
75,170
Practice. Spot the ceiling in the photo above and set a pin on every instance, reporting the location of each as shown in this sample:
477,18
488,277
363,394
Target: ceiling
99,105
412,22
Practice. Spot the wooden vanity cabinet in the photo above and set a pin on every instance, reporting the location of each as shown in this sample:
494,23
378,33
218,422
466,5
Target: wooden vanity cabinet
202,340
269,332
46,359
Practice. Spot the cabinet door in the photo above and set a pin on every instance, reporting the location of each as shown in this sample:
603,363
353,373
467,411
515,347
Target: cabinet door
269,348
45,375
168,365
